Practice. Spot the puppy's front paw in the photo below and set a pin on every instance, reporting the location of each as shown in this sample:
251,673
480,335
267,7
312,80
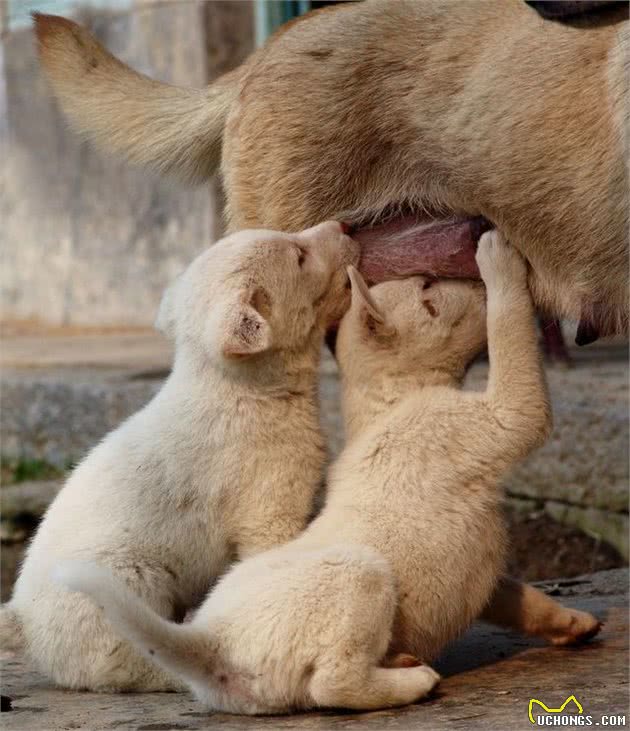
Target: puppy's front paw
499,263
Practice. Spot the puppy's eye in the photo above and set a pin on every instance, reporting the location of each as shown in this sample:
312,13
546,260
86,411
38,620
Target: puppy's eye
301,256
428,306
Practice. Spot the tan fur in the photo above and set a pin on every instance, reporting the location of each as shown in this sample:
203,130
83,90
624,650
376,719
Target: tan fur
478,108
410,544
223,463
485,109
520,607
172,128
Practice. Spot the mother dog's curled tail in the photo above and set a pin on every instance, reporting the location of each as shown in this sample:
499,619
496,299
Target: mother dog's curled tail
174,129
178,648
11,633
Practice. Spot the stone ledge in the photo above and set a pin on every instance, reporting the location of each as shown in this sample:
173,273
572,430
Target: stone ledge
61,394
612,527
59,419
28,499
489,677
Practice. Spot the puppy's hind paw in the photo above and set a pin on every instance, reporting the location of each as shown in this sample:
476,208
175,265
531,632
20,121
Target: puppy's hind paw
579,628
426,678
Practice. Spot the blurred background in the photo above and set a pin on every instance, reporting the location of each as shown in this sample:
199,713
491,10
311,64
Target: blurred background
88,244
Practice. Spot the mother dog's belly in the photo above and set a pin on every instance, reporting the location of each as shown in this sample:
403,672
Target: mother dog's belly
463,125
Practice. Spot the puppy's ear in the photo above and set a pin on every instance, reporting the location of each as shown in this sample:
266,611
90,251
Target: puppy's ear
246,331
363,303
166,316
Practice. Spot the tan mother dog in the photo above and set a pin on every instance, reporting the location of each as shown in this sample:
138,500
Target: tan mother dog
372,110
383,111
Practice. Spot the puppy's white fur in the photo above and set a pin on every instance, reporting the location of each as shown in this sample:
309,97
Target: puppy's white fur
221,464
410,544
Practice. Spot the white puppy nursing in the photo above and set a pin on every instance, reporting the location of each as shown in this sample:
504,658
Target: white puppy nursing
223,462
410,543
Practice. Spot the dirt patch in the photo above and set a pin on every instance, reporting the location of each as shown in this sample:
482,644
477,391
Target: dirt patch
542,549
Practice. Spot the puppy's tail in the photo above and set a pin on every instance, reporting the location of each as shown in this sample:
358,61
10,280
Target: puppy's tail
11,632
179,649
173,129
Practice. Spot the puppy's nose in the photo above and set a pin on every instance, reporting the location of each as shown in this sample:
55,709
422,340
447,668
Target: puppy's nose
327,228
333,225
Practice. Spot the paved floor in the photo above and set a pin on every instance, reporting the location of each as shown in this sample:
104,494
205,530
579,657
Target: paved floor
489,679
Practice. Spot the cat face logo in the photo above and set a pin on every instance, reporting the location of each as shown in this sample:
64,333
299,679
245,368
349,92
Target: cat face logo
546,709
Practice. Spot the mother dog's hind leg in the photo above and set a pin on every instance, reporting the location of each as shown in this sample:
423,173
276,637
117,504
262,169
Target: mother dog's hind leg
70,640
523,608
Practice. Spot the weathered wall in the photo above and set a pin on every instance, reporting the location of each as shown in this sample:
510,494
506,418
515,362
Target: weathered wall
85,238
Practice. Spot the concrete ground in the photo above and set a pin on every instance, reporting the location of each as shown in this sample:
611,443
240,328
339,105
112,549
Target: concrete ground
489,678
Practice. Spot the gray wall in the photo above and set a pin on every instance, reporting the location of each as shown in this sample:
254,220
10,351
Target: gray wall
85,239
